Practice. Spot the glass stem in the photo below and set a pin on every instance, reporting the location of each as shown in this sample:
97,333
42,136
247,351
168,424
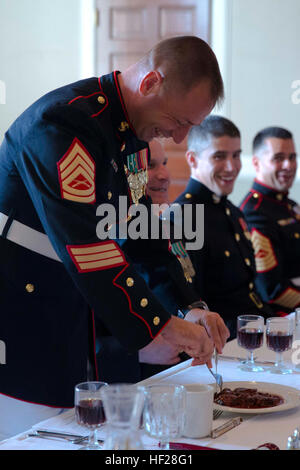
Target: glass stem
278,360
93,438
250,359
164,445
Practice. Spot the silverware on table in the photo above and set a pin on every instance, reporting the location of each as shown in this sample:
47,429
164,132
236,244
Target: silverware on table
218,378
217,413
72,438
242,359
232,423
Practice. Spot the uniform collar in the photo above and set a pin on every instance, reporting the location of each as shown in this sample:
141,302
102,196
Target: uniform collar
279,196
196,189
110,86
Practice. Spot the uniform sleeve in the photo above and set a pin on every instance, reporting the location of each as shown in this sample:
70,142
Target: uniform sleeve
271,281
62,172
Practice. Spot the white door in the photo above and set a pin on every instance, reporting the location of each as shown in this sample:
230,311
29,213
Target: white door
127,29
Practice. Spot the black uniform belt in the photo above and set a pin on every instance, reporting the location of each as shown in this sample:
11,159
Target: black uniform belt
27,237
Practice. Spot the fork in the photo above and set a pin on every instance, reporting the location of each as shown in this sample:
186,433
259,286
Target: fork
217,413
218,377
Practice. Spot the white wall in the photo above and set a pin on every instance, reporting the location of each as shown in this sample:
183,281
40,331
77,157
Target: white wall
257,43
41,48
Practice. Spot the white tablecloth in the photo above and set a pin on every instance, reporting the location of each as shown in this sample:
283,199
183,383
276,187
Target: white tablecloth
252,432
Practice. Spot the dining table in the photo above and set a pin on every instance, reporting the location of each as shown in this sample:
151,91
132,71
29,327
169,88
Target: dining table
256,428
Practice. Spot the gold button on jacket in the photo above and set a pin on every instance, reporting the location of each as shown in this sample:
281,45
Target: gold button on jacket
129,282
29,288
101,99
144,302
156,321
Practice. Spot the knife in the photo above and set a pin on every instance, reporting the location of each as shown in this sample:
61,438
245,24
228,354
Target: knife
241,359
74,438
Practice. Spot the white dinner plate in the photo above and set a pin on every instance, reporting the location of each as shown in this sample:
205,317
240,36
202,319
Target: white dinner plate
290,395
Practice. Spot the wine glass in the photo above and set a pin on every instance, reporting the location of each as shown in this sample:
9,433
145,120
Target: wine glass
279,334
89,410
164,412
250,334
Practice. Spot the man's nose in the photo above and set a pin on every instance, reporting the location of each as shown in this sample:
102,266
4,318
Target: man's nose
287,164
179,134
229,164
163,173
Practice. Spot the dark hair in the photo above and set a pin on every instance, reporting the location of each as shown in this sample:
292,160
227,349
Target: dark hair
185,61
264,134
212,126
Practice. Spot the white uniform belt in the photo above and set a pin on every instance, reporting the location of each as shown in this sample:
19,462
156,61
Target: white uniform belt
28,238
296,281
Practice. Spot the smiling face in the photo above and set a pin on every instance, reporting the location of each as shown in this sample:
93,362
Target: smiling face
276,163
218,165
158,174
170,113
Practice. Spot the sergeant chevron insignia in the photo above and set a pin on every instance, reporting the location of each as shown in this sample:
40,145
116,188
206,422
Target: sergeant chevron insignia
290,298
96,256
265,258
76,172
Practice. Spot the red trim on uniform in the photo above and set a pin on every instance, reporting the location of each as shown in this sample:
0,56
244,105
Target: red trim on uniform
281,314
259,201
94,340
263,235
34,403
129,300
100,93
162,327
99,83
245,201
270,187
122,102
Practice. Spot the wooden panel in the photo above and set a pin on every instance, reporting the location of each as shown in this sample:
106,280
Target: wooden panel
128,23
176,21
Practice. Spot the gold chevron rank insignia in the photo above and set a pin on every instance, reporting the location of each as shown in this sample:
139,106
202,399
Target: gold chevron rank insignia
96,256
290,298
265,258
76,171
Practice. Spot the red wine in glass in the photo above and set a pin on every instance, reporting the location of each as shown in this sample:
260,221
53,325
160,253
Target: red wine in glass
90,412
279,341
279,337
250,338
250,335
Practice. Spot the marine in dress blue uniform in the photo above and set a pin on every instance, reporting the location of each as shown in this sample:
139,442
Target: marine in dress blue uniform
225,265
274,221
60,159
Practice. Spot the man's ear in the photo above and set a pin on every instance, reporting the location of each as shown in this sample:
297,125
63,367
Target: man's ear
191,159
151,83
255,162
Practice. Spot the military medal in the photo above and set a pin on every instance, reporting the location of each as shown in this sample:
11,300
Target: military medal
136,173
179,251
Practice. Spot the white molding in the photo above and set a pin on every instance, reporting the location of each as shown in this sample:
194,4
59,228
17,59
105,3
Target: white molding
221,42
87,38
